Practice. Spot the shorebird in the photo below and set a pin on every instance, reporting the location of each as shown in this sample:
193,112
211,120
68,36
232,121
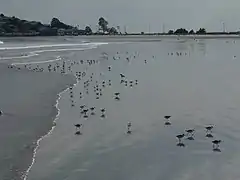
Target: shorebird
1,113
167,117
122,75
167,123
85,116
92,108
190,132
179,137
103,110
209,128
129,125
78,126
116,93
82,106
216,144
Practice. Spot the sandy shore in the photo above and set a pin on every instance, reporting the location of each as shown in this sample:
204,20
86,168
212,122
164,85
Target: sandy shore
27,100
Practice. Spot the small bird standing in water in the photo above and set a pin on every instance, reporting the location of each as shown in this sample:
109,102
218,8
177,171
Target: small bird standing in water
129,125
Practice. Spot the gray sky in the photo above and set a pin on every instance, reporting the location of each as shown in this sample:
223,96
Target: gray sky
135,14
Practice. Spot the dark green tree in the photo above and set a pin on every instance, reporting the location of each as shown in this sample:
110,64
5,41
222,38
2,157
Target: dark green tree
201,31
170,32
56,23
88,30
191,32
103,24
181,31
112,30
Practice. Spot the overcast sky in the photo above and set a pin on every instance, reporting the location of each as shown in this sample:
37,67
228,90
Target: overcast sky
137,15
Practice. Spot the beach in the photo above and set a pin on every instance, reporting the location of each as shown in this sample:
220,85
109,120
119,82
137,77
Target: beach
195,81
27,101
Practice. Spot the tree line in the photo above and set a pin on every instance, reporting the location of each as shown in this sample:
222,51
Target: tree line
182,31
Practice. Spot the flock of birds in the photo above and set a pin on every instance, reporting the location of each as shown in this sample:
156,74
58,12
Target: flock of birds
189,134
66,66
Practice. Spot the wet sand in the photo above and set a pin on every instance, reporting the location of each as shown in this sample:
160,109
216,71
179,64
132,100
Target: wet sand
27,100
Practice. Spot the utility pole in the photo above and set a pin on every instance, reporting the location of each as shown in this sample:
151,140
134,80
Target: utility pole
224,29
163,30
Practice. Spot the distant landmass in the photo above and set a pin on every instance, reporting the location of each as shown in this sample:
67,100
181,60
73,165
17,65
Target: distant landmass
13,26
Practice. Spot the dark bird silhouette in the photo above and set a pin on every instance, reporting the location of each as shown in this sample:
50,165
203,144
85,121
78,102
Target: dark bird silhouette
179,137
190,134
167,123
216,144
92,108
167,117
1,113
78,126
82,106
129,125
209,128
190,131
122,75
117,94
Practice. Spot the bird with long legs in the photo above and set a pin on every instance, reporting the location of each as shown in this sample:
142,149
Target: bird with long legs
179,137
129,125
92,111
209,131
167,120
78,127
216,144
190,134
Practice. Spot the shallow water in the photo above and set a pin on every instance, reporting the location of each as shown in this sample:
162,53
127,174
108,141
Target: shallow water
198,87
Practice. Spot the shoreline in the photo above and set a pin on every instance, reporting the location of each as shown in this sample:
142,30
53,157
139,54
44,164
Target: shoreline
32,134
134,35
25,176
